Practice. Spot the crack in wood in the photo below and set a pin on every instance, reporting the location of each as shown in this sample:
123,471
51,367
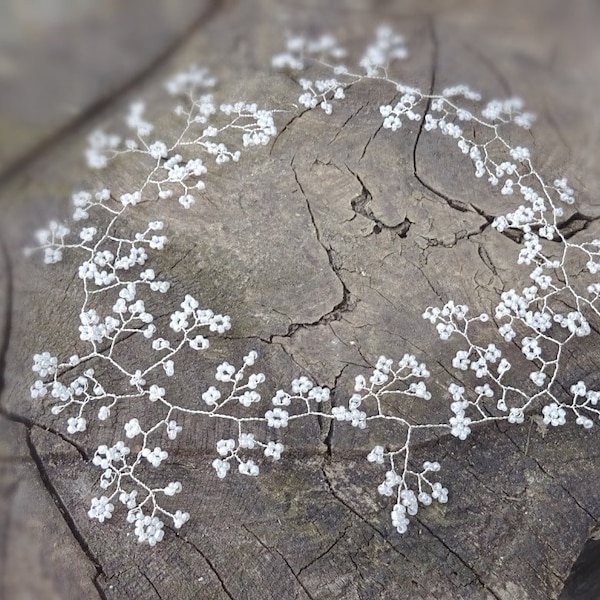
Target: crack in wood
345,305
574,224
275,550
328,549
208,561
30,424
341,128
552,478
582,582
361,206
328,425
460,559
452,203
141,572
350,508
5,334
486,259
287,125
63,510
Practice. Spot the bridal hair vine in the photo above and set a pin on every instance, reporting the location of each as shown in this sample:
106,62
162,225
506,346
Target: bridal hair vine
536,323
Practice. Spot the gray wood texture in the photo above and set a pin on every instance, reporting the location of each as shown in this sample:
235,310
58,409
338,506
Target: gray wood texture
324,248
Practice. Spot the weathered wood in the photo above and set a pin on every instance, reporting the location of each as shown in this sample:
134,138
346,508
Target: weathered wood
325,250
63,60
39,557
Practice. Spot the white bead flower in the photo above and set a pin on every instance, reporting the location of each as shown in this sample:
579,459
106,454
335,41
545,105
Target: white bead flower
114,269
129,499
221,467
319,394
173,488
277,418
554,414
173,429
156,393
211,396
439,493
180,518
155,457
246,440
149,529
249,397
248,468
376,455
460,426
44,364
101,509
399,519
301,385
38,389
132,428
274,450
220,323
225,372
225,447
76,425
281,398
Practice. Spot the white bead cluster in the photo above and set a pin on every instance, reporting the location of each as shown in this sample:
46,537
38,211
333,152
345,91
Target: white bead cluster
497,384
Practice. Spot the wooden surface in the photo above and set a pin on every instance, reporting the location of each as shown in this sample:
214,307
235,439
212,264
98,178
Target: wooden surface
285,248
62,61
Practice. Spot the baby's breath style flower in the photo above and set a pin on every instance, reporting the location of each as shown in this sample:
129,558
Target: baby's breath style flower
101,509
277,418
553,304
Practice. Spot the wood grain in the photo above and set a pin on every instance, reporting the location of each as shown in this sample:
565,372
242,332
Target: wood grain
324,249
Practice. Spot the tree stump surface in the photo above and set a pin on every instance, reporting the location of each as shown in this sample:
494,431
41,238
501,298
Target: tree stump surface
63,61
325,248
